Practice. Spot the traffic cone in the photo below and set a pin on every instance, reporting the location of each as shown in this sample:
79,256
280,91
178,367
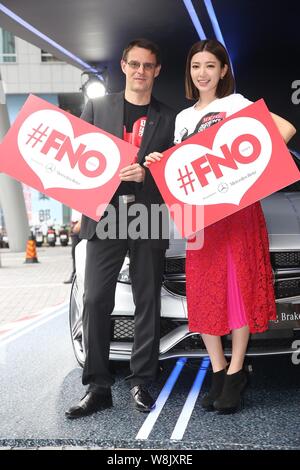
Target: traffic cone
31,251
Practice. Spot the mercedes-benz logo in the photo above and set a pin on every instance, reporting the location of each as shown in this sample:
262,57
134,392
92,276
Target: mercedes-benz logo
223,188
50,167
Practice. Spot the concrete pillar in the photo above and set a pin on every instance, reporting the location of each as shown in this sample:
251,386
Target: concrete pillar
11,194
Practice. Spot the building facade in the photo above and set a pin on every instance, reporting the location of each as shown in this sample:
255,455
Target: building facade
26,69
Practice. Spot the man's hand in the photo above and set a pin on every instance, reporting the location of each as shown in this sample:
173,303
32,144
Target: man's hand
133,172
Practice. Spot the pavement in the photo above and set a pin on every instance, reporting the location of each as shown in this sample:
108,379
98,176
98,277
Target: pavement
41,354
28,290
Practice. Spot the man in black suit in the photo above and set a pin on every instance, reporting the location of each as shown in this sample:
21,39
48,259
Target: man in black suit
137,117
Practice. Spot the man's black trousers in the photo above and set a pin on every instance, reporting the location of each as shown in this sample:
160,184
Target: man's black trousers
103,263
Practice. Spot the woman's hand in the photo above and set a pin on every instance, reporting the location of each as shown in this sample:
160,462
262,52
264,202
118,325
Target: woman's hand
152,157
286,129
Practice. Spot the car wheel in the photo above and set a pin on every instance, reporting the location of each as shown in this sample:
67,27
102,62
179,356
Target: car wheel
75,321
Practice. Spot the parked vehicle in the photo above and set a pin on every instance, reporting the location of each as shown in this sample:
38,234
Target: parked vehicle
4,240
64,236
282,213
39,238
51,236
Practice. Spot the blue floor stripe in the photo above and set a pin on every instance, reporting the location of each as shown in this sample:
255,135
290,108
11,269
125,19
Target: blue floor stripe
189,405
152,417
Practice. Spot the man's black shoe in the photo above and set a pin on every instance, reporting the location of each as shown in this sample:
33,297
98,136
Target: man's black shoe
142,399
89,404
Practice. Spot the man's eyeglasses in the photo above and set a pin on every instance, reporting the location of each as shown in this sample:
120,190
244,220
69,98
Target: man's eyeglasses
135,65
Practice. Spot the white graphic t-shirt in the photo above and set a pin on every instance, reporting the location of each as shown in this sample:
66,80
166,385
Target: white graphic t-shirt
190,121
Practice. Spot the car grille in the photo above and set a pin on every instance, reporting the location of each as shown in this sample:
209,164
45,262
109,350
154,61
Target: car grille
174,266
281,259
287,288
122,329
286,259
283,288
175,287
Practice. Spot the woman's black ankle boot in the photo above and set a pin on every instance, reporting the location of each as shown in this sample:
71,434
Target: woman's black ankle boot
218,379
230,400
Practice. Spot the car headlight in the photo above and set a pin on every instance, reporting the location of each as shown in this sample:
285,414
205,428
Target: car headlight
124,276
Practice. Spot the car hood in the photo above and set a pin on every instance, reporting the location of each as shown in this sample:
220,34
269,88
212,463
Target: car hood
282,214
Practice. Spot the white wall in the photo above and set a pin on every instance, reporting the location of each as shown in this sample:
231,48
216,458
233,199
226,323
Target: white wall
30,75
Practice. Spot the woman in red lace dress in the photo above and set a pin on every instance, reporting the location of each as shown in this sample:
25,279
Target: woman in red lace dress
229,280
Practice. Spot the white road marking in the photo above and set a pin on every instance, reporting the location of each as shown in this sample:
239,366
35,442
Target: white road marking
44,317
58,284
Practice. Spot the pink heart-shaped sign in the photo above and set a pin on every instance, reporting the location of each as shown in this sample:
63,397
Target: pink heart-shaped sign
47,144
241,151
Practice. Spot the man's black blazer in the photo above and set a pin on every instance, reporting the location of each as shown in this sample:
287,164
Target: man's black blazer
108,114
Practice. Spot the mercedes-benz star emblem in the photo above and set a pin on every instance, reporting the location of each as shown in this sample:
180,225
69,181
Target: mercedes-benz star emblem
50,167
223,188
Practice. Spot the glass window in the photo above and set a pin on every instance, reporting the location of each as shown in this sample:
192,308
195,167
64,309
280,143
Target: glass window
7,46
47,57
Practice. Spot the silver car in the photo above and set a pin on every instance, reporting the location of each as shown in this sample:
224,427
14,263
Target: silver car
282,213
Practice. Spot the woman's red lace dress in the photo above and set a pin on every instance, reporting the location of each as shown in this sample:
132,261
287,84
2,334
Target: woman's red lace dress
244,237
229,281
